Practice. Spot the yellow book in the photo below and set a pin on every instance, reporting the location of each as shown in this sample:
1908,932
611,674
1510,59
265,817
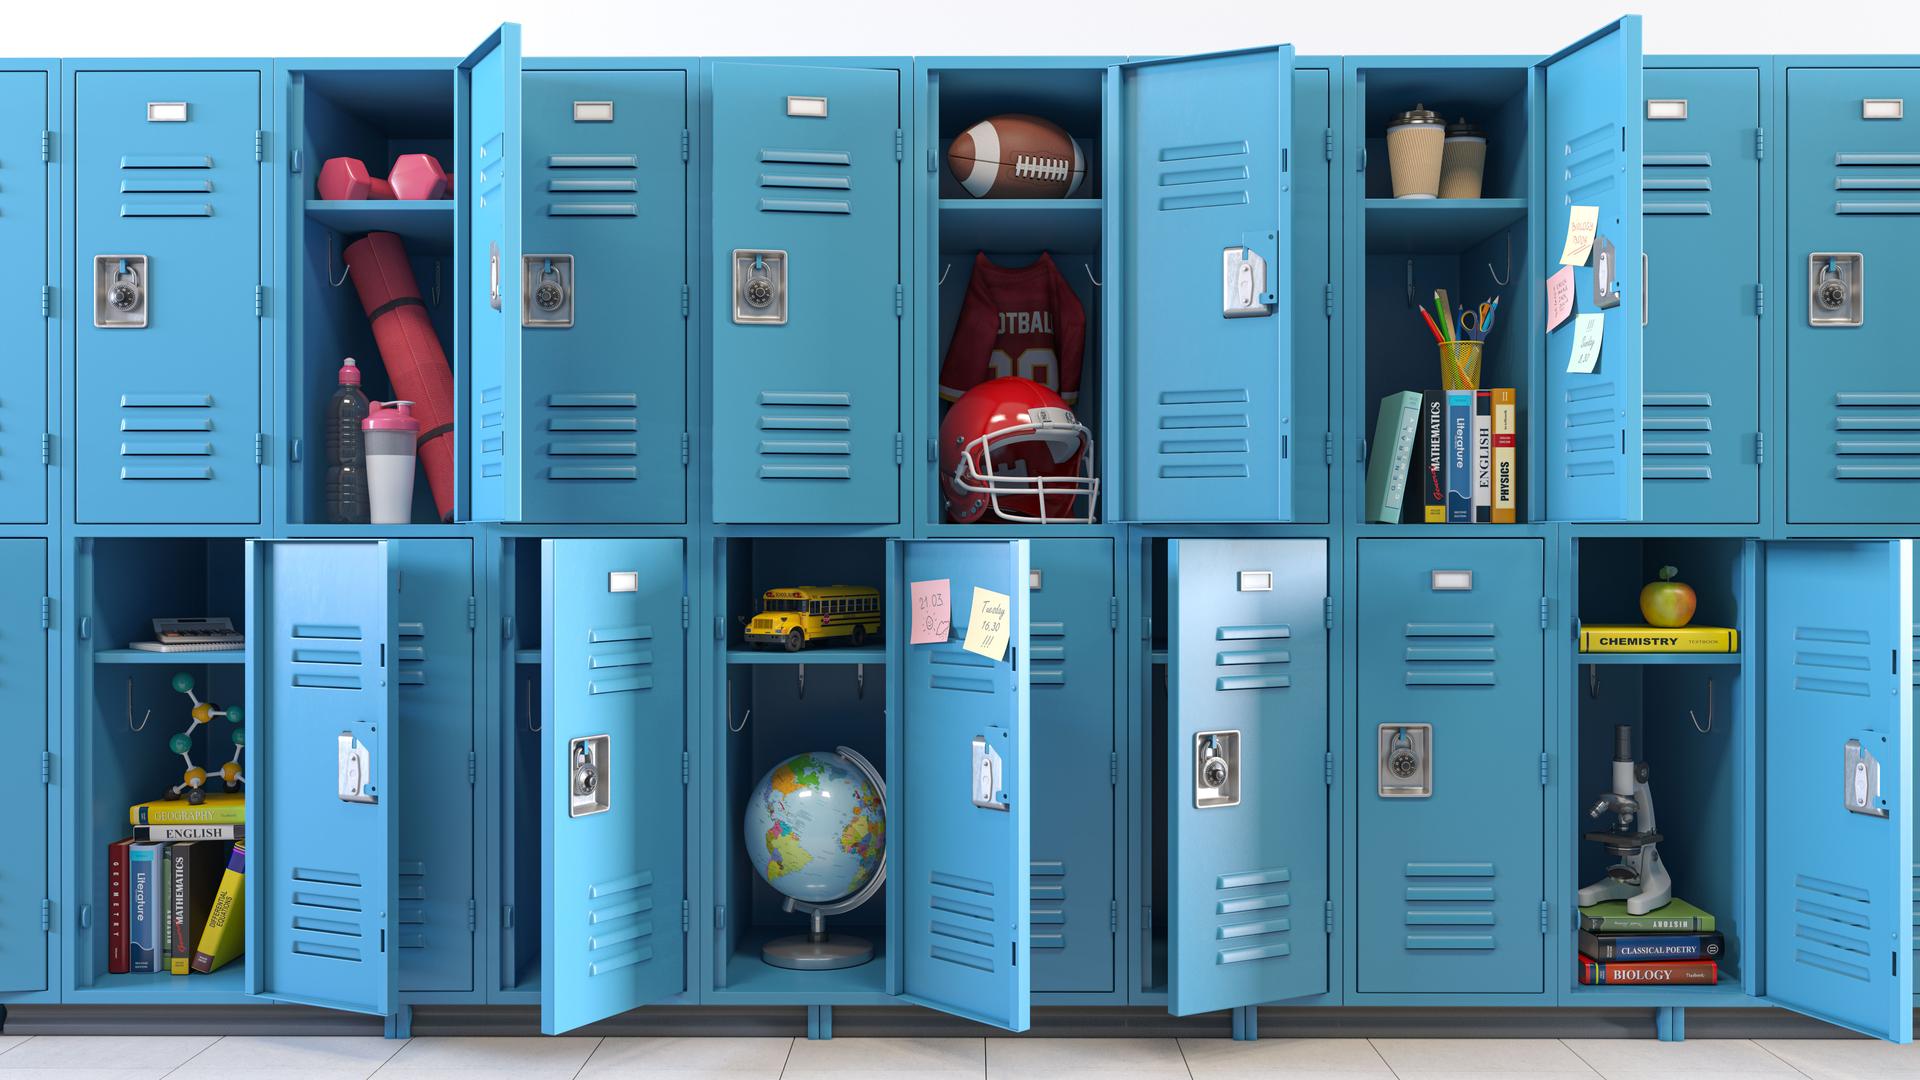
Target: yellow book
1506,463
225,934
1659,639
225,808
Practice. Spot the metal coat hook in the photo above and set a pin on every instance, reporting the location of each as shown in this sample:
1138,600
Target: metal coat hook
345,270
1708,730
944,271
1411,302
860,680
1497,279
1593,680
800,680
436,283
144,719
748,715
526,704
1097,283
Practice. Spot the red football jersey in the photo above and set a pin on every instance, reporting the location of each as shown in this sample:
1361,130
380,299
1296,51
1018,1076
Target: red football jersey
1023,322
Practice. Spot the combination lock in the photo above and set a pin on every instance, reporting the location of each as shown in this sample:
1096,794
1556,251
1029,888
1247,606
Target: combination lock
546,296
549,295
1833,295
1406,761
586,778
588,775
1403,764
123,296
1214,773
759,292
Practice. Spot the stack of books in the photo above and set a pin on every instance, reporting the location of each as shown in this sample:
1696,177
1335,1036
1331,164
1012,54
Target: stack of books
1674,945
174,888
1445,457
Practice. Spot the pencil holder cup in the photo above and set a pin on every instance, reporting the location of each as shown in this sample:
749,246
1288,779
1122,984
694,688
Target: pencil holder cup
1415,142
1460,365
1463,162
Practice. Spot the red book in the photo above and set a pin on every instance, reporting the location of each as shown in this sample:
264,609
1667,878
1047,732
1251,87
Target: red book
119,962
1649,973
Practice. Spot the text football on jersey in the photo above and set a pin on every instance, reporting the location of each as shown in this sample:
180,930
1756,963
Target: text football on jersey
1020,322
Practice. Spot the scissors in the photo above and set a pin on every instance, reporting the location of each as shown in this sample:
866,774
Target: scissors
1474,320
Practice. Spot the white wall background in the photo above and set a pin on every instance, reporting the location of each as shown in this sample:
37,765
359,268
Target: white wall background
207,28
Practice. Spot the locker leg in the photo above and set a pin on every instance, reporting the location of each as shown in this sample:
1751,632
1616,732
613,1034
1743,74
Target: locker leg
1670,1023
1246,1023
400,1024
819,1021
3,1018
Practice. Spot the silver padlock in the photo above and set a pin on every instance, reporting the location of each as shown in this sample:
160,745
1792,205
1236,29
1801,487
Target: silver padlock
547,292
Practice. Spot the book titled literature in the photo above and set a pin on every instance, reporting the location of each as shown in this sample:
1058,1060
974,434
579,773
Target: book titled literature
118,853
1659,973
1641,948
1506,464
1393,439
1676,916
225,932
224,808
1459,457
143,908
1653,639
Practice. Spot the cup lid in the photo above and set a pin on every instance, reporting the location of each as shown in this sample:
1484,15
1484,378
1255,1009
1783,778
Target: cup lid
390,416
1419,114
1464,128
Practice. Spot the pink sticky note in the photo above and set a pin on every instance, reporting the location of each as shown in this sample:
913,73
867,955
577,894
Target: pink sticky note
932,612
1559,296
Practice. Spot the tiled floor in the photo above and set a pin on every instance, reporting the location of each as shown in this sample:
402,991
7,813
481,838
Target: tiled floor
70,1057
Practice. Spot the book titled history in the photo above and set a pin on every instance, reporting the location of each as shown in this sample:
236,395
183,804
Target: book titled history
1675,916
1658,973
1639,948
1652,639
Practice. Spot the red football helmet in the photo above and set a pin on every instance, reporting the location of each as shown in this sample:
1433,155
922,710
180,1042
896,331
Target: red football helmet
1011,450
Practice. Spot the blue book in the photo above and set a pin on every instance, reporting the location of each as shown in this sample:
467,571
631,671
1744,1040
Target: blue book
1640,948
144,917
1460,457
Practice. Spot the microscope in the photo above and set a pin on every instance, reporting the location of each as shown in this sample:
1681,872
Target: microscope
1640,878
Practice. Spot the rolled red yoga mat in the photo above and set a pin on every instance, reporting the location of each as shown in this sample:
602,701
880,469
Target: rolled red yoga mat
416,364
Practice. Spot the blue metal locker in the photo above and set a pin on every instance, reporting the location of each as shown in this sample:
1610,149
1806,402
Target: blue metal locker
1248,873
1593,138
1316,211
805,182
1452,880
1913,757
168,288
25,301
1701,186
964,850
1853,390
23,693
1074,903
1838,847
613,774
488,200
597,419
1207,327
323,888
434,666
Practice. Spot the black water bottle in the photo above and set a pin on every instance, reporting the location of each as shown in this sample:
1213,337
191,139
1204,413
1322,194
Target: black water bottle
346,450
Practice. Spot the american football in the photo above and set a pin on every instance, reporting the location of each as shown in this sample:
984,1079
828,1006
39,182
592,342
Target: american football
1015,156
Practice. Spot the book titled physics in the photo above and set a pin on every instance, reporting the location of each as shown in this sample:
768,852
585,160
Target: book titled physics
1655,639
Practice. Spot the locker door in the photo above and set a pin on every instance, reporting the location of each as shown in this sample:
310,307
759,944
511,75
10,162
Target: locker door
1247,682
1593,140
435,670
1209,390
1853,392
964,852
1701,185
322,881
1315,211
24,210
806,411
1450,636
1913,757
1070,588
488,190
613,696
603,411
23,687
1838,852
166,414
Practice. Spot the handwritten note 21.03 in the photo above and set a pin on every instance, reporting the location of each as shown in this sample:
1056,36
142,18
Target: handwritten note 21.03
932,614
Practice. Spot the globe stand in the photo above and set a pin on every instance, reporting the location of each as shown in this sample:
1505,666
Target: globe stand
817,950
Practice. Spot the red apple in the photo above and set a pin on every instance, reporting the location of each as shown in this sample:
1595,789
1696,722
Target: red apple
1667,602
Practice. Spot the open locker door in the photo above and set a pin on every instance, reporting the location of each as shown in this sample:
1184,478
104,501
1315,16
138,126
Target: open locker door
322,843
1593,143
968,812
613,816
1248,784
1839,783
1207,267
487,194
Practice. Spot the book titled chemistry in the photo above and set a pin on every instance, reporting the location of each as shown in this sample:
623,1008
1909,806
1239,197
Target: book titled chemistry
1655,639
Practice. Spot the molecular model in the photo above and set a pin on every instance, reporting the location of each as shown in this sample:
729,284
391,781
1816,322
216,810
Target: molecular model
194,780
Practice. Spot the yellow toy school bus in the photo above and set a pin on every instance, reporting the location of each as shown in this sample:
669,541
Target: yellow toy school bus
793,618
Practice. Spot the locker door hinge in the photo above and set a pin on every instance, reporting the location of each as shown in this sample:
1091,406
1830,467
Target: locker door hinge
46,301
1759,448
686,448
1146,628
1543,916
259,448
1360,448
1113,613
686,916
1326,908
293,450
931,167
46,767
686,144
686,769
1326,610
46,448
85,916
86,627
899,144
46,915
259,144
719,916
1326,767
1329,299
506,916
1543,613
1546,767
1760,298
899,299
933,449
1113,768
46,144
686,299
293,162
46,613
899,448
506,628
473,915
1360,159
1328,440
1329,144
719,628
473,611
1113,916
259,301
686,612
473,768
1759,143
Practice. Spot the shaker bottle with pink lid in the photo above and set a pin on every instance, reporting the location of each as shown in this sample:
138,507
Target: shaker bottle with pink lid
393,436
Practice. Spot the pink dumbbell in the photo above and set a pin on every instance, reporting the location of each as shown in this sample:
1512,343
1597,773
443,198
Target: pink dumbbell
348,178
418,176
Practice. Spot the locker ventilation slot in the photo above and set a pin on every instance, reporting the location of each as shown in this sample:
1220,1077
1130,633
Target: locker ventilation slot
818,455
1252,657
1857,175
961,921
1677,183
1203,434
413,654
1888,428
949,667
325,657
163,426
1833,660
584,436
1252,915
1678,435
1832,927
1592,437
1206,175
1048,903
591,196
806,182
618,660
1451,654
1592,166
1450,905
1047,651
619,923
144,174
413,903
325,918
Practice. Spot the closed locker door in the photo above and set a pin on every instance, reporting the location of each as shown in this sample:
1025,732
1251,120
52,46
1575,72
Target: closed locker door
24,211
167,264
604,334
1701,186
1915,765
1853,389
1313,215
807,295
23,693
1452,855
435,669
1070,589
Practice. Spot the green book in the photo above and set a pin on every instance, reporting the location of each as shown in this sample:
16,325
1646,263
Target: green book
1393,439
1610,917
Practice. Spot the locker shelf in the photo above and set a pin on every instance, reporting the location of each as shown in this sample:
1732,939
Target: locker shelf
748,974
1437,226
426,225
140,656
162,988
1016,224
826,654
1731,659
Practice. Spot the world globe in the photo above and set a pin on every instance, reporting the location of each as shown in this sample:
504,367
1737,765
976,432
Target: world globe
816,832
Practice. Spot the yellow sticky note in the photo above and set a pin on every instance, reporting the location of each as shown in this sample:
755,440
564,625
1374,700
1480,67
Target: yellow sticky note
1582,223
988,624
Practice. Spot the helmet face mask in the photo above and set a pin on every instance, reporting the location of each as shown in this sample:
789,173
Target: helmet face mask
1027,464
